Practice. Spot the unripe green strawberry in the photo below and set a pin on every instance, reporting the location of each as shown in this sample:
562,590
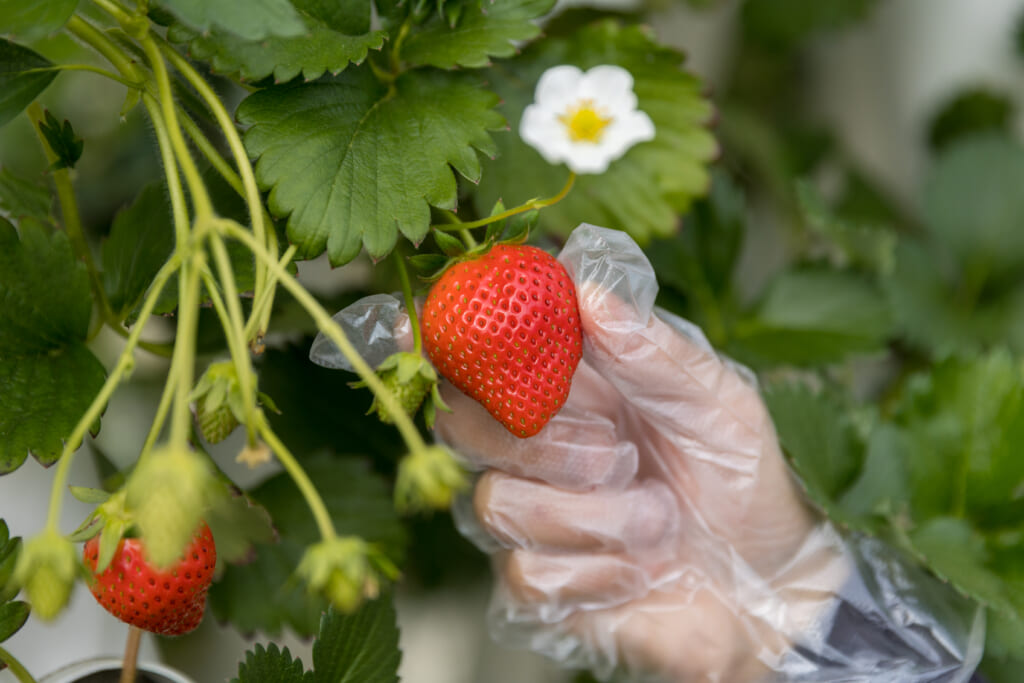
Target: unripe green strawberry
504,328
165,601
411,379
219,405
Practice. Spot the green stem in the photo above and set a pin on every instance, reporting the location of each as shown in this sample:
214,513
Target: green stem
301,479
396,51
234,140
124,362
15,667
183,361
86,67
528,206
333,332
265,302
197,189
410,304
234,326
465,235
159,418
95,38
114,10
163,350
179,208
69,211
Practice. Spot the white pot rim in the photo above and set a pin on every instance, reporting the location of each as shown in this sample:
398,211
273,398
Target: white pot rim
73,672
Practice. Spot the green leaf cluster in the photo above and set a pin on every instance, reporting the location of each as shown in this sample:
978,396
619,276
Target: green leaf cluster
48,377
349,648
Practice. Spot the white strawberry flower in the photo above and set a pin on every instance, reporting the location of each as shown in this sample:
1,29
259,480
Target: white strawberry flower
584,119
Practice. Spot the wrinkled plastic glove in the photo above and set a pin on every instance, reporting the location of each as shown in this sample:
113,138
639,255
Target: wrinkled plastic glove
653,529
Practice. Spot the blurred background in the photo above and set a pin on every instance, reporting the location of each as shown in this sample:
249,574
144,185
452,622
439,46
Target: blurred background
857,95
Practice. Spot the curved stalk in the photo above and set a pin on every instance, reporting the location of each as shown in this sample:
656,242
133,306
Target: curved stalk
234,140
124,362
301,479
262,305
15,667
528,206
333,332
410,304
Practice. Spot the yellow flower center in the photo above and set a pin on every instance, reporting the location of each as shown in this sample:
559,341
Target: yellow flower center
584,122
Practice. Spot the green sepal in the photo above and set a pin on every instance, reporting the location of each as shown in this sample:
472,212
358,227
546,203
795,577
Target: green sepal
267,402
428,263
495,229
519,227
451,246
89,495
62,140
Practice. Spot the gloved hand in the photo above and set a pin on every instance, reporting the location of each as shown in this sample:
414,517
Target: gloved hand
653,528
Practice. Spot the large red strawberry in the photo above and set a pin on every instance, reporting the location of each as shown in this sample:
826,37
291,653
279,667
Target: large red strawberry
505,329
169,602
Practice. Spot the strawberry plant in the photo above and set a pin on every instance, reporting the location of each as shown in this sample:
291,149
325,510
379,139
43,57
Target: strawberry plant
175,175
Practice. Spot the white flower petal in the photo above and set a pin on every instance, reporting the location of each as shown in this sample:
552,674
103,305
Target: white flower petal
606,83
558,87
588,158
545,133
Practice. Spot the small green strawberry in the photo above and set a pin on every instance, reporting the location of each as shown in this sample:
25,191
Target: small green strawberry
412,379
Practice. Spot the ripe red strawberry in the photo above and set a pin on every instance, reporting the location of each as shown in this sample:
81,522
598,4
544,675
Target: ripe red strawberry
169,602
505,329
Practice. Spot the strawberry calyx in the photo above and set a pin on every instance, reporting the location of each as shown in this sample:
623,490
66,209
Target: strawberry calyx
513,230
345,570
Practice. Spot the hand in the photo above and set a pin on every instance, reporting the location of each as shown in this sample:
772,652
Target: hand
638,525
652,526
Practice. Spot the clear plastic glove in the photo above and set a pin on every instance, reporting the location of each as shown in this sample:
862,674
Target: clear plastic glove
652,528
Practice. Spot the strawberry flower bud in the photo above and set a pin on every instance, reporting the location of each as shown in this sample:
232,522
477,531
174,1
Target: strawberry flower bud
428,479
169,492
345,570
46,571
411,378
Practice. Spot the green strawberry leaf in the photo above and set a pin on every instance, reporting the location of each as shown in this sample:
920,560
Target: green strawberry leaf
846,243
23,198
19,84
975,216
818,437
957,553
481,31
263,665
966,418
63,141
10,548
813,317
695,266
141,240
13,616
644,191
254,20
782,24
969,112
263,594
31,19
353,163
332,39
48,377
360,647
932,314
237,524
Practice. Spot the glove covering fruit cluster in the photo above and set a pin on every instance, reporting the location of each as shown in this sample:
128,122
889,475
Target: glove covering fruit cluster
505,329
168,601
